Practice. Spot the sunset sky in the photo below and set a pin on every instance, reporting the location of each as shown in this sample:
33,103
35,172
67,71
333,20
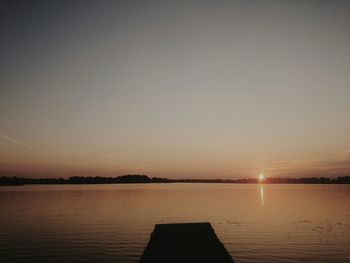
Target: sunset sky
177,89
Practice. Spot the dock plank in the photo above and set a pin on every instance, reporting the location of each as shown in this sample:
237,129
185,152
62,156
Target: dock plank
185,242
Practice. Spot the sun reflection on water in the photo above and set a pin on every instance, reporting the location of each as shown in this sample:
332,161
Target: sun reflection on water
262,195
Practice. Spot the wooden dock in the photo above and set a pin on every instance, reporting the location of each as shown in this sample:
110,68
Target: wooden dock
190,242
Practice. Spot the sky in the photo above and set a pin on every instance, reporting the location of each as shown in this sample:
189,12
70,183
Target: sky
177,89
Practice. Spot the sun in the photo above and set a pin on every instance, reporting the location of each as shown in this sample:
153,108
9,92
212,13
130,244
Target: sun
261,177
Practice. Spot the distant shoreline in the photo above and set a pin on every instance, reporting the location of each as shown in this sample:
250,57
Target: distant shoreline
144,179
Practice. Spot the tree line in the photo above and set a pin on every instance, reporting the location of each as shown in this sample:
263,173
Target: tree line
136,178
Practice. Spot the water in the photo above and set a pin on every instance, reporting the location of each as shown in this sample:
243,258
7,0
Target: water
112,223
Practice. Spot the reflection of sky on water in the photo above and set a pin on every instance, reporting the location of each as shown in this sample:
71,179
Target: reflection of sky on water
113,223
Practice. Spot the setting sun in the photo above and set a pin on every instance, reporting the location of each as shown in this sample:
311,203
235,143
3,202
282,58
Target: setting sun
261,177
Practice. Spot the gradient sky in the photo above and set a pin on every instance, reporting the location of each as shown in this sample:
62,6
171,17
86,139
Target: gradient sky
178,89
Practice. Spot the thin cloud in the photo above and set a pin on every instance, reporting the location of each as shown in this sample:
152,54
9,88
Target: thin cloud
337,166
9,139
66,152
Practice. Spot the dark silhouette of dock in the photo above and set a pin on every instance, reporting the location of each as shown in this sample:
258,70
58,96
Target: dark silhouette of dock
191,242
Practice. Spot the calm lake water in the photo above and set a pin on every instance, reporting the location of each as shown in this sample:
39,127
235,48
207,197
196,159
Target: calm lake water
112,223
